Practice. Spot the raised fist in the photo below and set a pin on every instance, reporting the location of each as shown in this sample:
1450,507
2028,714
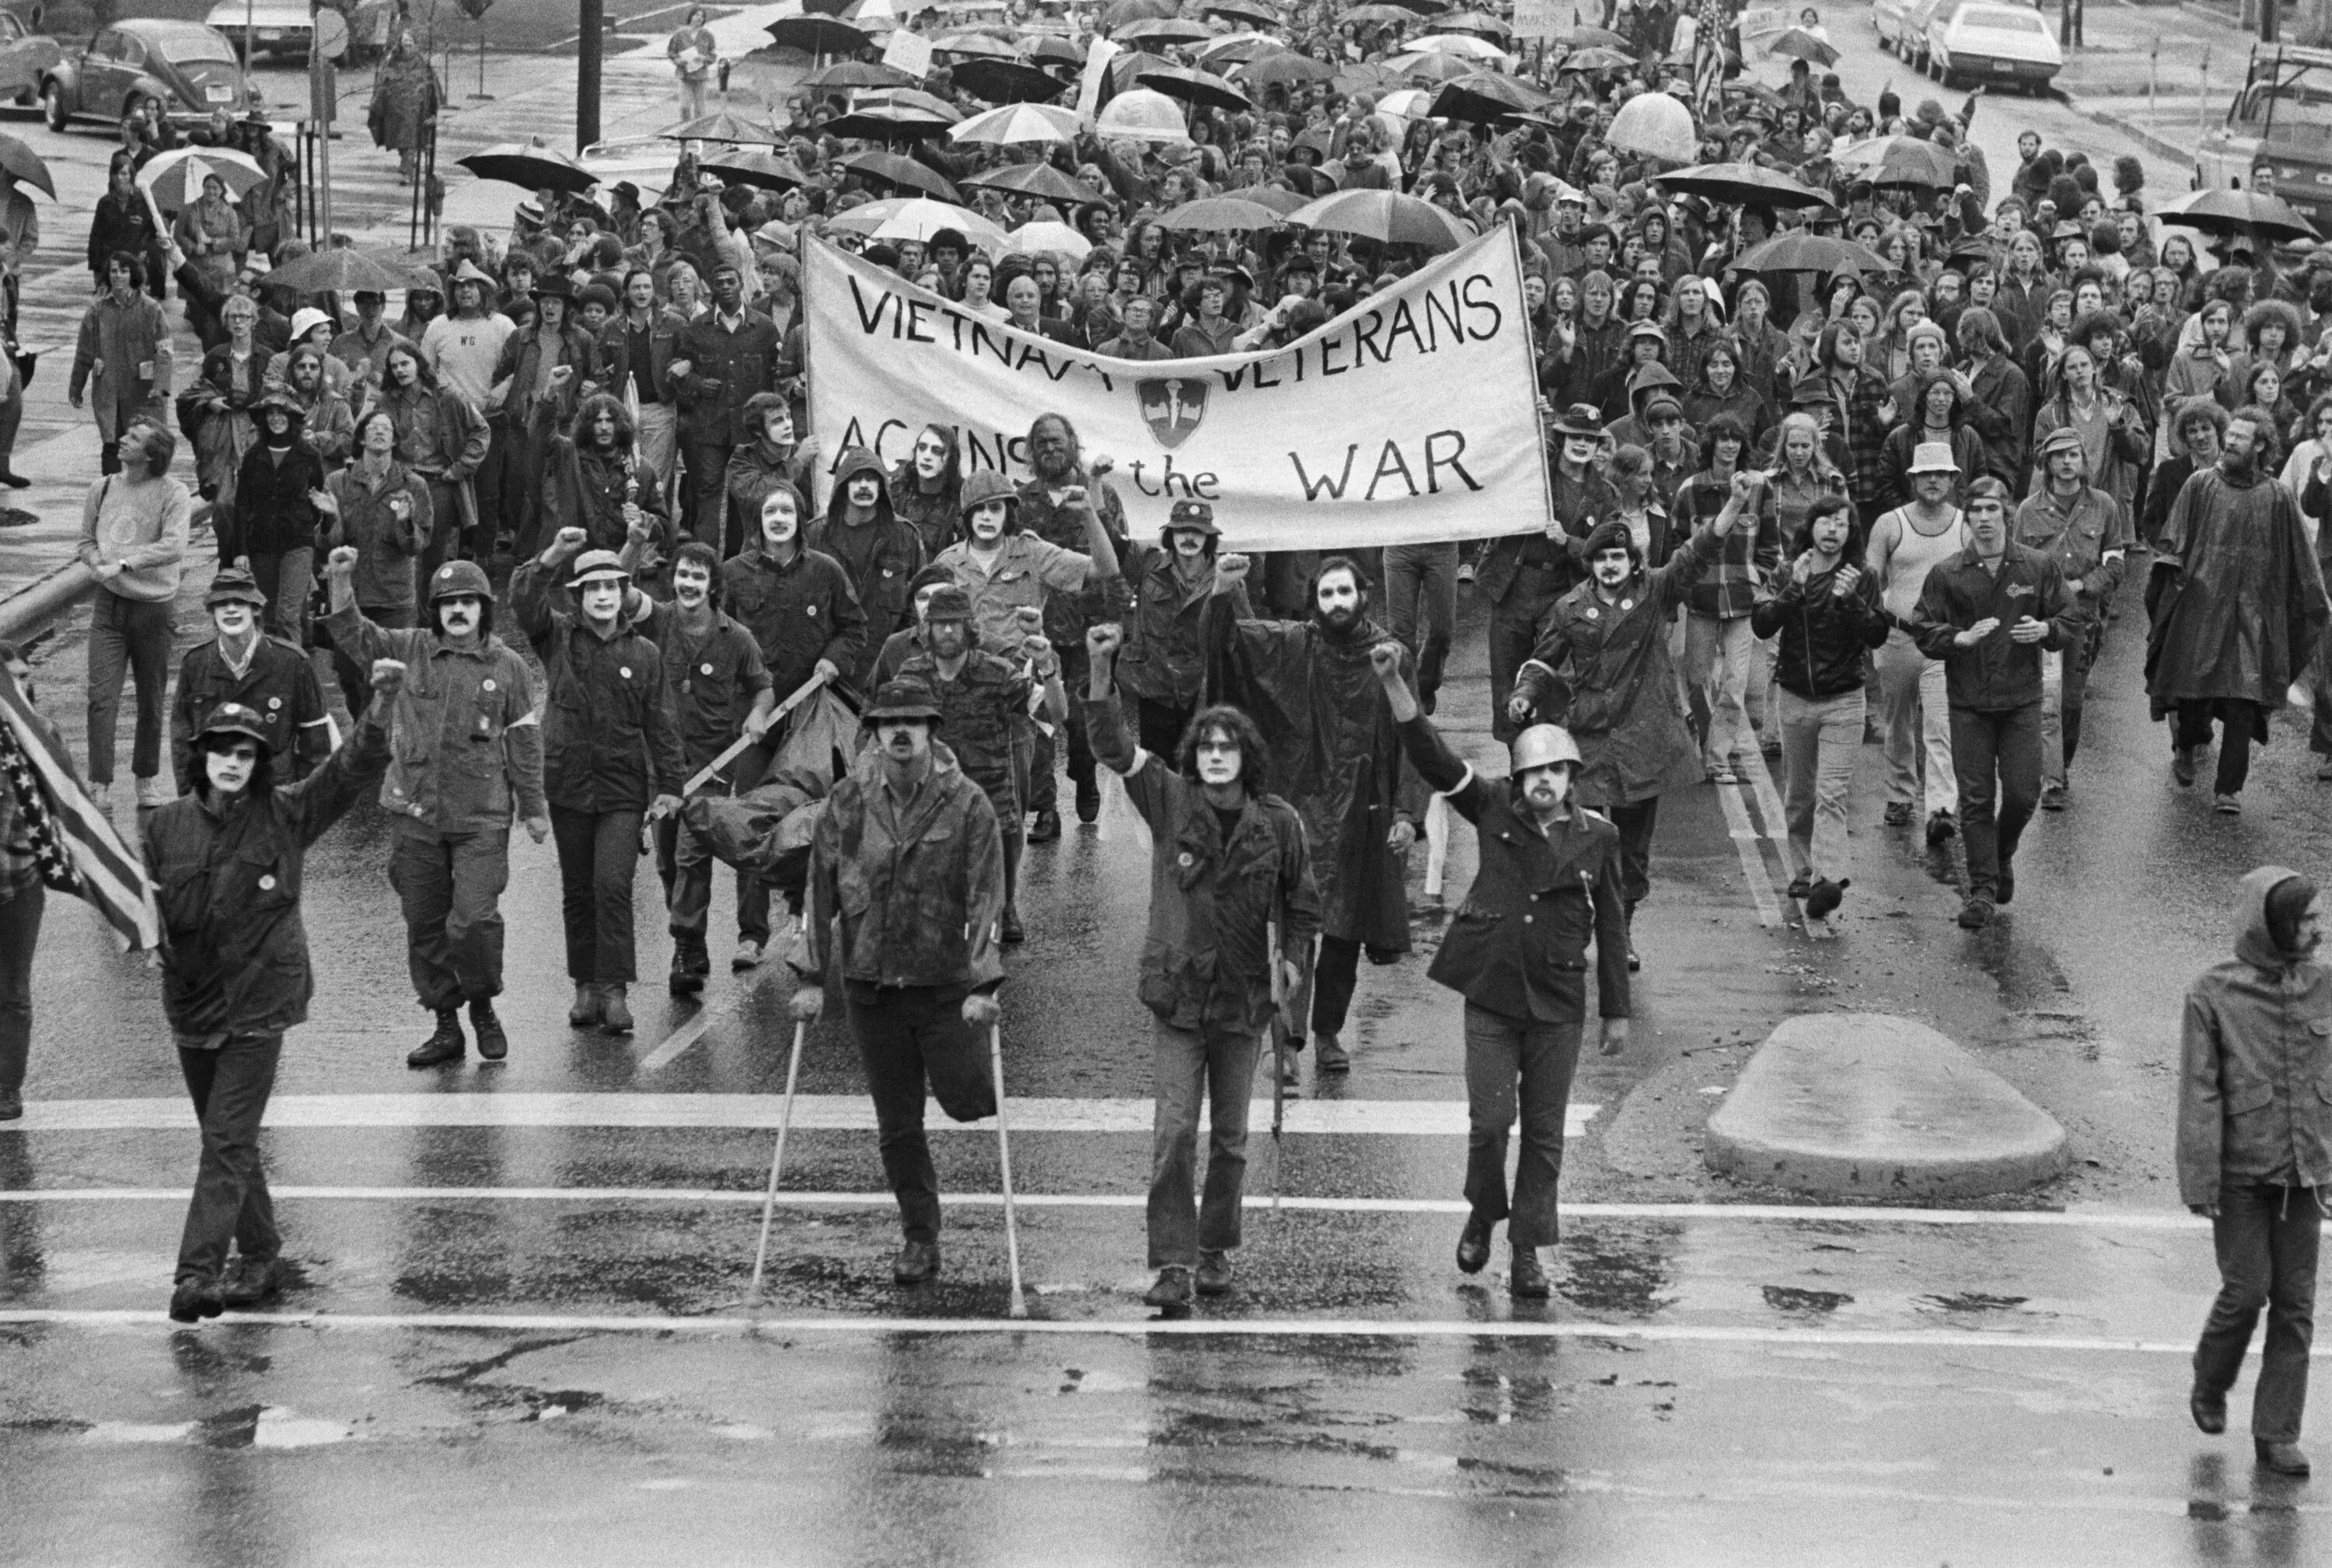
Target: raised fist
1102,641
1099,465
341,562
570,542
1230,570
387,676
1385,660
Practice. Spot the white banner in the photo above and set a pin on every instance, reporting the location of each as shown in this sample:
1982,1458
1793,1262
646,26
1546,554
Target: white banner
1545,18
1411,417
910,54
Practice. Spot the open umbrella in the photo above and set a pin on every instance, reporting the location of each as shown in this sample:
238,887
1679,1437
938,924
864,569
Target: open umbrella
534,164
1800,252
1464,45
892,169
1282,202
1286,68
827,8
1377,15
1005,80
918,218
758,167
1143,115
1800,44
1036,179
1485,97
974,46
937,107
1386,215
1029,239
1254,11
848,73
1369,76
819,36
175,179
350,271
1429,67
1017,125
1125,69
25,165
1214,214
1409,103
888,122
1160,31
1232,48
1748,184
1656,125
1422,8
2238,212
1199,87
722,126
1060,51
1899,161
1592,37
1480,21
1598,58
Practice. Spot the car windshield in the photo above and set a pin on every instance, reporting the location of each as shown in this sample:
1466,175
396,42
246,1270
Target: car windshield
185,44
1993,19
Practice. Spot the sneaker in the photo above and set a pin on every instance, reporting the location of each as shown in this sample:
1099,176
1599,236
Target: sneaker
1975,914
1214,1276
2227,806
152,792
492,1044
1723,775
614,1013
1826,897
747,956
1899,814
1172,1289
1290,1076
447,1045
1941,829
2054,797
2181,764
1332,1057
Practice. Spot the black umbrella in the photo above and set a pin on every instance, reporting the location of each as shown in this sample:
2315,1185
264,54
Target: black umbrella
1748,184
1598,58
532,163
764,169
819,36
350,271
827,8
892,169
1799,252
25,165
887,122
1059,50
1005,80
1127,68
1036,179
1254,11
2237,212
1485,97
848,73
1899,161
1287,67
1196,87
1800,44
721,125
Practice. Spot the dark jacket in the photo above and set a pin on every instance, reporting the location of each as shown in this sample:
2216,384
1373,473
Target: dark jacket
2088,533
610,741
127,226
725,370
918,892
2255,1078
386,546
1578,507
234,952
587,489
880,556
440,433
2001,413
1518,946
272,512
1998,674
712,680
615,367
798,613
1824,638
279,684
2248,606
1205,962
1165,653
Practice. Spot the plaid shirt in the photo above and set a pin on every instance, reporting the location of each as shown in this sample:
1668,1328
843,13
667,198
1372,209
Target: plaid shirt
1727,591
1866,441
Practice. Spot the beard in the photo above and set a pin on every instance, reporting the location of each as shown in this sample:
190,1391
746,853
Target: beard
1338,623
2239,468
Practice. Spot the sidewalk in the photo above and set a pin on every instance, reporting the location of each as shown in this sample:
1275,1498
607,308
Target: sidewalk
2160,74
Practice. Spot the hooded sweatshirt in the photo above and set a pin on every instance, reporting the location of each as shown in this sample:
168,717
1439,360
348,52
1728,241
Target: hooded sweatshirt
881,555
2255,1081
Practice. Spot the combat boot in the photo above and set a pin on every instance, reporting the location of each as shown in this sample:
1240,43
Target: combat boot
690,964
492,1044
447,1045
614,1014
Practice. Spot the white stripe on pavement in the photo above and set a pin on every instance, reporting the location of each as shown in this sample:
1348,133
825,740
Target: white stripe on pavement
1739,1213
1752,858
731,1326
818,1113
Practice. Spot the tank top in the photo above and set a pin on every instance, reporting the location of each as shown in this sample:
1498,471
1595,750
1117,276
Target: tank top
1915,555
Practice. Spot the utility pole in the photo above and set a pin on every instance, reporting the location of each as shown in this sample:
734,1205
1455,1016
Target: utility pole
590,47
2267,20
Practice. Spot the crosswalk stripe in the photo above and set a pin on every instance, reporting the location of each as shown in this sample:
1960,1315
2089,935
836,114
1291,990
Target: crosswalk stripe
1746,838
816,1112
732,1326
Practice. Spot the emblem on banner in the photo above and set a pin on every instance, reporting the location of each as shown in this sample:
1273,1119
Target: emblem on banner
1173,405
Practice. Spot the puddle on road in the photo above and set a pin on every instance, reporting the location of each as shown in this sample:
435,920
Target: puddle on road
1790,1298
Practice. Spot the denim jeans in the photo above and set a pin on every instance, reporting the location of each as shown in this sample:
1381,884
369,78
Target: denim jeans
132,637
2266,1238
597,853
451,886
20,934
909,1037
1717,655
230,1086
1421,596
287,579
1516,1065
1186,1064
1821,736
1913,712
659,432
1996,753
2064,683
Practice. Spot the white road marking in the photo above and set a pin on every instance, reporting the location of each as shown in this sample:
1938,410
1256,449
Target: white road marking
1735,1213
819,1113
1745,838
731,1326
680,1038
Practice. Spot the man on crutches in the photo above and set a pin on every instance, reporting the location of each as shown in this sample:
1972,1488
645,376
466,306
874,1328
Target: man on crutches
1228,859
906,879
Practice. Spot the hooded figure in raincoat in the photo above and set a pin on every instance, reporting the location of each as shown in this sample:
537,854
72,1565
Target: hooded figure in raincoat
2255,1152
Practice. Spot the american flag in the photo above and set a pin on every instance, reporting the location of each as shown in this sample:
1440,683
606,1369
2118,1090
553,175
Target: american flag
73,844
1709,61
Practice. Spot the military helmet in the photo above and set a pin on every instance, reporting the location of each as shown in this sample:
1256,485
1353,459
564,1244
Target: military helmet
1543,745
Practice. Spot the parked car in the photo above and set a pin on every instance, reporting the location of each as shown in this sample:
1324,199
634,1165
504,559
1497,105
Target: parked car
1910,32
1991,42
2278,133
285,28
190,68
25,57
1890,19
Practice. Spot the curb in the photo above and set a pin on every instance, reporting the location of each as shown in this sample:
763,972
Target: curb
2183,156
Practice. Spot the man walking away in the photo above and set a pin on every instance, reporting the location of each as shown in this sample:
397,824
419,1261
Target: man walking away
1548,884
2255,1153
1988,613
916,842
1227,859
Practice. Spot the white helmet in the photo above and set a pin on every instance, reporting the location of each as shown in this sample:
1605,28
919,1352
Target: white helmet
1543,744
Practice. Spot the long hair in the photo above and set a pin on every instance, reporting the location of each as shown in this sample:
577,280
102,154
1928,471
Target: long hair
262,771
580,431
1244,734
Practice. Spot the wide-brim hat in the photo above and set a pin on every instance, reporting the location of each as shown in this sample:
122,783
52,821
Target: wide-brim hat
1580,419
597,566
902,699
1195,515
557,286
1936,457
233,584
469,271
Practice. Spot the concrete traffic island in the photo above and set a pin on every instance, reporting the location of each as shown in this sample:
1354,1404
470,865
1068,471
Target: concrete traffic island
1868,1104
